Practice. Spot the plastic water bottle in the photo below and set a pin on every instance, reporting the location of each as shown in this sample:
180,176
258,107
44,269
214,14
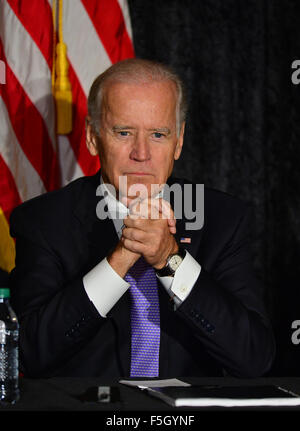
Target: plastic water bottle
9,357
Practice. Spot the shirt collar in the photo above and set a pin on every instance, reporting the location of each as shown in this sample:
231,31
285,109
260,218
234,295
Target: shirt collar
115,208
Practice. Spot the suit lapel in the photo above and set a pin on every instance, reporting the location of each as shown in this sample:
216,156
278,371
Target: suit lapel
193,236
102,239
100,234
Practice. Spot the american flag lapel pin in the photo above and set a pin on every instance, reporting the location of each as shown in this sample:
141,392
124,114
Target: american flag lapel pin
185,240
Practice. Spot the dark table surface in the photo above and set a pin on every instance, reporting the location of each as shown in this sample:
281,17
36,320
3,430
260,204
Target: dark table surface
65,394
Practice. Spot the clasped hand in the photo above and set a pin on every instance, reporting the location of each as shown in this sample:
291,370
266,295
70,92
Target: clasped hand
149,230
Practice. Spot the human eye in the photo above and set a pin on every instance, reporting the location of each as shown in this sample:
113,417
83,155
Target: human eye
121,131
158,135
122,134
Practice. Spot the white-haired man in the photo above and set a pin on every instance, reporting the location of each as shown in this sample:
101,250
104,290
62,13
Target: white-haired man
133,295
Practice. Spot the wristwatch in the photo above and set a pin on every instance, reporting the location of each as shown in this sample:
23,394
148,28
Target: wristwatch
173,262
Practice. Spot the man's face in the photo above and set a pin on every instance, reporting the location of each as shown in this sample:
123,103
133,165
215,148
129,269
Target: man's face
138,134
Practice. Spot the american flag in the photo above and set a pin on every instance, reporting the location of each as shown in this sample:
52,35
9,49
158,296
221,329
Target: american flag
185,240
33,158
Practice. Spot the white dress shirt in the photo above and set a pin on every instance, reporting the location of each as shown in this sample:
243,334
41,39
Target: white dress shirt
105,287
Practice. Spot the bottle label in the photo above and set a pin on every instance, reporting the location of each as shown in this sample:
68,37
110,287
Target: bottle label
9,355
2,332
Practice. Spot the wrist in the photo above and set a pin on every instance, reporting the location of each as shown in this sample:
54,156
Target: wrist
173,250
121,260
173,262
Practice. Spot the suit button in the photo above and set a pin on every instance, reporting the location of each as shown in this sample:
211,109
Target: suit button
210,328
193,312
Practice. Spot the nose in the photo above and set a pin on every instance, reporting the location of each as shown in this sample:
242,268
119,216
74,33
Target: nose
140,151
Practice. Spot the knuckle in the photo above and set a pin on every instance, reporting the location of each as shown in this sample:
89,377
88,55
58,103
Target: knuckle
126,242
127,221
135,235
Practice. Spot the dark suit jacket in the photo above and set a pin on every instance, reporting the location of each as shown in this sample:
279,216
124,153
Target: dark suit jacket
222,325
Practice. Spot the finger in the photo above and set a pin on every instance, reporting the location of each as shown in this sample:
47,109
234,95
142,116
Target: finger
152,208
134,246
133,202
130,202
162,207
167,210
172,229
133,234
129,221
168,213
172,221
135,216
141,209
135,222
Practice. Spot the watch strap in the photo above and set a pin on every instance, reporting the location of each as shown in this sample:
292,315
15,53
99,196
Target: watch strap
166,270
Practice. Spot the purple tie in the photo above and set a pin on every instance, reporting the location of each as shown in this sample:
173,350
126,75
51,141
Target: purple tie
145,320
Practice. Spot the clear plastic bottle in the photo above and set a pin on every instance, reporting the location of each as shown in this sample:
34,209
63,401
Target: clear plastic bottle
9,357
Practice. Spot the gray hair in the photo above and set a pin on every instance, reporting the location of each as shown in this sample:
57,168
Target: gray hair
134,70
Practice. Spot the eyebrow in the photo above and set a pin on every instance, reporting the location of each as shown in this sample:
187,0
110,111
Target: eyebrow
118,127
121,127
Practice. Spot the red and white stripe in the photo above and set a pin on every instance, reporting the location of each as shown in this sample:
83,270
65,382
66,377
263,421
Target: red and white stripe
33,160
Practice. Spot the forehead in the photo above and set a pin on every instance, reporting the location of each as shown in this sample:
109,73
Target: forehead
147,99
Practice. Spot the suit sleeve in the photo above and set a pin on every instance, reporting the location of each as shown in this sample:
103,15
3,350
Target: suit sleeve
225,310
56,320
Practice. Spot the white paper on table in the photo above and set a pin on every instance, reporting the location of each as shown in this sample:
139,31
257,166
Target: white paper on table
143,384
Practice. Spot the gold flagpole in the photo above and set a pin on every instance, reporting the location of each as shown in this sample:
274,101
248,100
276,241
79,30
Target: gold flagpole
60,79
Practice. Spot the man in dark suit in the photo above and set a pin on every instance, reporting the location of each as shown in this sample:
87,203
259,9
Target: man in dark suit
70,287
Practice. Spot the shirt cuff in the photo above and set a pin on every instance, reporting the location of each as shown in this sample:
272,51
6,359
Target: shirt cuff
184,279
104,287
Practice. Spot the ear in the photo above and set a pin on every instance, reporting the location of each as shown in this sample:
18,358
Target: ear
91,138
179,144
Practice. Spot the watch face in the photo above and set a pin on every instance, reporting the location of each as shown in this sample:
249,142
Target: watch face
175,261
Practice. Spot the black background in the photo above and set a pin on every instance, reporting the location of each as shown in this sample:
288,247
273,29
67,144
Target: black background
243,128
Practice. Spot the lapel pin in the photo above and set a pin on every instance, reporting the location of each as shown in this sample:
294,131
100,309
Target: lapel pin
186,240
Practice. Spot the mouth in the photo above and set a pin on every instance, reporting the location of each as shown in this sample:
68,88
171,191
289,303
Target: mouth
138,174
